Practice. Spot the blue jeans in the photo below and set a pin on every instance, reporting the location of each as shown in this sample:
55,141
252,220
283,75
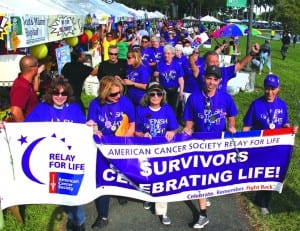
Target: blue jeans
264,59
75,214
102,206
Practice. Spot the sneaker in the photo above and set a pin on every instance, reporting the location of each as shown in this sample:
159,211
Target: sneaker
165,220
208,203
147,205
265,211
100,223
201,222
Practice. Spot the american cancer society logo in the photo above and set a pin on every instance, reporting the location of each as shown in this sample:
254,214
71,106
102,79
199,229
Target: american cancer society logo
54,154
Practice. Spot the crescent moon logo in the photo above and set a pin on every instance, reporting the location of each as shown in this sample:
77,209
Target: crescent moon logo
26,159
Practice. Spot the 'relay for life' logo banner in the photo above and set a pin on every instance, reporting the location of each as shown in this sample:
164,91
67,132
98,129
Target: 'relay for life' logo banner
62,163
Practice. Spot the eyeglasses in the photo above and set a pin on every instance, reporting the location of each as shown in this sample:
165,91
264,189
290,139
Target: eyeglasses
114,94
57,93
130,57
113,53
207,104
152,94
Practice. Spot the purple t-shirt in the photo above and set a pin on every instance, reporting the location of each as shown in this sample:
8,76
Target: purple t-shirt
147,55
43,112
109,116
209,114
192,84
138,75
169,74
157,123
261,114
158,53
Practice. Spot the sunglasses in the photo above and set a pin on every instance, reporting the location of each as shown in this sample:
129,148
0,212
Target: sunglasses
144,41
114,94
113,53
57,93
152,94
130,57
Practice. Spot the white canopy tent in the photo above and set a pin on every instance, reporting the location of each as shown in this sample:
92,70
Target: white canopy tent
209,18
190,18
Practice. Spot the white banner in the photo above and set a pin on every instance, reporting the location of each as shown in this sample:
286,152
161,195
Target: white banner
47,163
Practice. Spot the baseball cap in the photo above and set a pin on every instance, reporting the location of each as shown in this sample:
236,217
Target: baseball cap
213,70
271,81
154,86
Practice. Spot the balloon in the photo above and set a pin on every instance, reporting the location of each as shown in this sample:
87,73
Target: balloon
89,34
39,51
72,41
83,38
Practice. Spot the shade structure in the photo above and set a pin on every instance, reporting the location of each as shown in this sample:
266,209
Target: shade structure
229,30
245,30
209,18
190,18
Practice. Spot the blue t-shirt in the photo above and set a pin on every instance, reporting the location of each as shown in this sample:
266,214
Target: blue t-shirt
192,84
262,113
209,116
109,116
157,123
138,75
158,53
44,112
169,74
147,55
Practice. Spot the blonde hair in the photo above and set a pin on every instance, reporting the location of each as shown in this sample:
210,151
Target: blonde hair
106,83
137,55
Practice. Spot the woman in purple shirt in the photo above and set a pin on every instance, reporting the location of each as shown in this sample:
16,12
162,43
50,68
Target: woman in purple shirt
137,77
156,118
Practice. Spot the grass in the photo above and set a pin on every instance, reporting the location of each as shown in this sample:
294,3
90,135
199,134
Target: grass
285,207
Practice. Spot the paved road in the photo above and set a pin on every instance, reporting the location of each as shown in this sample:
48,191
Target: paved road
225,214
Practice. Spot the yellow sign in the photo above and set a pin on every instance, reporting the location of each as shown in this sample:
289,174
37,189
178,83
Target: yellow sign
4,24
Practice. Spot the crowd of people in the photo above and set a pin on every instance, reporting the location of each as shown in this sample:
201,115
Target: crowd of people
156,79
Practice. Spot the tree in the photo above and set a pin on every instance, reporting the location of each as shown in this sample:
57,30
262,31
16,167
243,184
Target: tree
287,12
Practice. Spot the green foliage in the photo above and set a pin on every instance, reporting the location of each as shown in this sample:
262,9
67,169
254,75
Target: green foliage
287,11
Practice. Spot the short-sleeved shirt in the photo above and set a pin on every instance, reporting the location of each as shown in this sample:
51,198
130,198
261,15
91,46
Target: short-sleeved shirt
262,113
76,73
192,84
106,44
123,49
70,113
169,74
158,53
157,123
113,69
140,74
23,95
108,116
209,113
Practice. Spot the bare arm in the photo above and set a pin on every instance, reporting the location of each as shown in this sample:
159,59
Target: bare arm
17,114
188,129
231,124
